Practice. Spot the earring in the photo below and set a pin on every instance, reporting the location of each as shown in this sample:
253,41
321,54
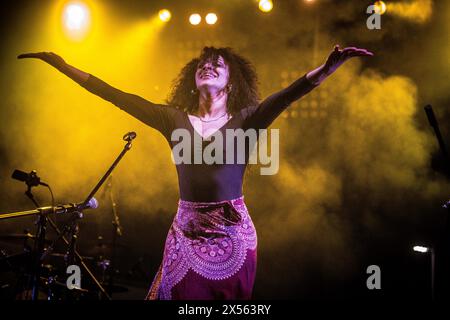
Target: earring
229,87
194,92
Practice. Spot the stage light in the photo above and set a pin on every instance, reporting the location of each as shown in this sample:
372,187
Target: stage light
164,15
421,249
265,5
195,19
76,16
380,7
211,18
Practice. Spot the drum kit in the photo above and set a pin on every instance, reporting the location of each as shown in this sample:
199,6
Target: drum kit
37,271
16,270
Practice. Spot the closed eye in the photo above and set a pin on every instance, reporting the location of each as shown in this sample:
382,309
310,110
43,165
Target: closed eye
215,64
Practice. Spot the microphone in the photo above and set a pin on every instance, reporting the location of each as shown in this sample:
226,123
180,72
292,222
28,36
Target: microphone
31,179
129,136
92,204
70,208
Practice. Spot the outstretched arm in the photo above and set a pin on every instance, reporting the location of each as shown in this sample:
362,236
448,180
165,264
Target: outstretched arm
57,62
334,61
268,110
154,115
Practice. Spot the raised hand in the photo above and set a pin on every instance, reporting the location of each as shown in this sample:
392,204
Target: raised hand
338,57
49,57
56,61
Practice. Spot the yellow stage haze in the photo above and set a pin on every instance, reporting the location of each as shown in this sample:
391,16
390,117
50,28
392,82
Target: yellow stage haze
418,11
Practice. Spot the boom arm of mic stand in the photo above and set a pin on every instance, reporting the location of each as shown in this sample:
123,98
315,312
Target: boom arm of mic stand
108,172
42,210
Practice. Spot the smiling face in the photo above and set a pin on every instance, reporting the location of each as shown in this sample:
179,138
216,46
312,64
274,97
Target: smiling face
212,74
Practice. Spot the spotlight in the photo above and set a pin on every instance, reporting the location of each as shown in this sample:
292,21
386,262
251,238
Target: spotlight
195,19
380,7
211,18
164,15
265,5
421,249
76,16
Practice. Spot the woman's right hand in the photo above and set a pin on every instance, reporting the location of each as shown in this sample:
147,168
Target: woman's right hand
56,61
51,58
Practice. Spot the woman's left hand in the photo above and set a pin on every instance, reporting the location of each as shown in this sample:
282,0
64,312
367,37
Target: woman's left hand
339,56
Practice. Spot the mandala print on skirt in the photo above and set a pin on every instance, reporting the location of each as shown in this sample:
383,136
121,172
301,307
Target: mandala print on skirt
211,245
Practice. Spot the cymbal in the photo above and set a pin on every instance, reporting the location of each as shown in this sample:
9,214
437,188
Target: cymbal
110,245
63,255
114,288
17,236
48,282
14,261
102,249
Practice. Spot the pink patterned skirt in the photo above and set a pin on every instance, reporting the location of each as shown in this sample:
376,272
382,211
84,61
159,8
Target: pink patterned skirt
210,253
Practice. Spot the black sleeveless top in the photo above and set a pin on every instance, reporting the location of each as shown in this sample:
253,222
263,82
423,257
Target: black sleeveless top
203,182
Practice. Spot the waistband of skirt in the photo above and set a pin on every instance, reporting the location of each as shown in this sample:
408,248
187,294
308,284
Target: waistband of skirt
195,204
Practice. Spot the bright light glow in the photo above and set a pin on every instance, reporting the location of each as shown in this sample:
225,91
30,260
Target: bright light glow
195,19
380,7
164,15
76,16
211,18
265,5
421,249
76,20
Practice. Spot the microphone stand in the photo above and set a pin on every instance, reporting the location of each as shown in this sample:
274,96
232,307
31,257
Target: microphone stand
434,124
117,232
39,247
39,244
445,263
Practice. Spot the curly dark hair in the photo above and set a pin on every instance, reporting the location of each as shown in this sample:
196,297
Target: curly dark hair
243,79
